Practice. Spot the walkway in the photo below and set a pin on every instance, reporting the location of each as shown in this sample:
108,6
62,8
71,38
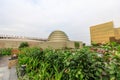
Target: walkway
5,73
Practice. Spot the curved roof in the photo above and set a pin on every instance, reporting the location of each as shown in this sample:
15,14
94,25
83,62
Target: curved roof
58,36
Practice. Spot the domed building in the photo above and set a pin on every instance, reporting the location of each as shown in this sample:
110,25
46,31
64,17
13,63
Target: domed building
59,39
56,40
58,36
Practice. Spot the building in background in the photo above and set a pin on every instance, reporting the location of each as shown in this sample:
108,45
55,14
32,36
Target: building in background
117,34
56,40
104,33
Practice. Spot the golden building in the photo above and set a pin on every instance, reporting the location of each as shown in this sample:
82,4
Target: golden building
104,33
117,34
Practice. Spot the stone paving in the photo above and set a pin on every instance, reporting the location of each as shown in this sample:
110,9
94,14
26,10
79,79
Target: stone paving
5,73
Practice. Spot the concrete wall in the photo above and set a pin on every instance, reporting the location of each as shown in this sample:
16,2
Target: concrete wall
71,44
14,43
10,43
55,45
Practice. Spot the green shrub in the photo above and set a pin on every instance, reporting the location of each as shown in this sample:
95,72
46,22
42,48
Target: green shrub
5,51
77,45
24,44
77,64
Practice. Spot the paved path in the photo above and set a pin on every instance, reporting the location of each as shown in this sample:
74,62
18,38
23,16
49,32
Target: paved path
5,73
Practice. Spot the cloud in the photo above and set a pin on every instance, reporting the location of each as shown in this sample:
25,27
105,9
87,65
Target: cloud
39,17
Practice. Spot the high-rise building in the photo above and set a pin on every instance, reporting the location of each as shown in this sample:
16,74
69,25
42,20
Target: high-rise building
104,33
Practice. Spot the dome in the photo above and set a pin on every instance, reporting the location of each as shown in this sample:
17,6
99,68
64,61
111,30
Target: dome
58,36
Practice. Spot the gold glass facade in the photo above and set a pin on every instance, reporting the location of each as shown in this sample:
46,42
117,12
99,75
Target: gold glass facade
104,33
117,33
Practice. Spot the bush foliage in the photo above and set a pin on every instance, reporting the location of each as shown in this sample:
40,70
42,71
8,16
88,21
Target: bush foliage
5,51
88,63
77,45
24,44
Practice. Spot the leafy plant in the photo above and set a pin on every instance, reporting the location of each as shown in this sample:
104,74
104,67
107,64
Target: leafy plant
24,44
77,45
75,64
5,51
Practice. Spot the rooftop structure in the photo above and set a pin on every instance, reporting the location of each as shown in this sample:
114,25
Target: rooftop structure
58,36
13,37
56,40
104,33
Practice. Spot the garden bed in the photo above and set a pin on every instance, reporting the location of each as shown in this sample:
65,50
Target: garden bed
77,64
88,63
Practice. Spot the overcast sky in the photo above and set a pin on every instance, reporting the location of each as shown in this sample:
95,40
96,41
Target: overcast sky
38,18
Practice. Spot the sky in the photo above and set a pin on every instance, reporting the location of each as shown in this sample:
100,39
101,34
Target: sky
38,18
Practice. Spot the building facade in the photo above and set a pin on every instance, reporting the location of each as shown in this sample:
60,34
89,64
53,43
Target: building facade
56,40
104,33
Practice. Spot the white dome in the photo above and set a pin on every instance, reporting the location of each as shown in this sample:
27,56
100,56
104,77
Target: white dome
58,36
